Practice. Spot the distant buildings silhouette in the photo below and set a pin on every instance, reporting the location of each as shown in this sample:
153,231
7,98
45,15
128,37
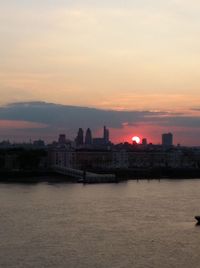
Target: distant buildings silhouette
167,139
89,140
62,139
88,137
106,135
79,139
144,141
98,153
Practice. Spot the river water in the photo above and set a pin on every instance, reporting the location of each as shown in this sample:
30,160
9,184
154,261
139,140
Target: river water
132,224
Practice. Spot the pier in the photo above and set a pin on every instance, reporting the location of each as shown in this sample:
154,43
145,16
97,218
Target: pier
85,176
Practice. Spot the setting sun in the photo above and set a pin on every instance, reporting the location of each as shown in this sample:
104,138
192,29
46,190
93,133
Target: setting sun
136,139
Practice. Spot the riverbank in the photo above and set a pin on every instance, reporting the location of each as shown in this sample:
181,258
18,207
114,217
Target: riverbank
33,176
36,176
158,173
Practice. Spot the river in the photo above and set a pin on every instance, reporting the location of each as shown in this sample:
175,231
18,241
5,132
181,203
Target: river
130,224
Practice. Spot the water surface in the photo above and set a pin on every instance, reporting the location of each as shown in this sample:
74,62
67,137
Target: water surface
133,224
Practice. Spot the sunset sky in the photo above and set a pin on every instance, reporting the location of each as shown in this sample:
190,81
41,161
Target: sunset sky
138,55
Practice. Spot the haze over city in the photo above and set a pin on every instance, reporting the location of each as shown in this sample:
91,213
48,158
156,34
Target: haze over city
138,60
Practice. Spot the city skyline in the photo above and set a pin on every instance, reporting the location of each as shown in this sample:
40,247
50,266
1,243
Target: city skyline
39,120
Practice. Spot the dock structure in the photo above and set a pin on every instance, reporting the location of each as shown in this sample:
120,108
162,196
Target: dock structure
84,176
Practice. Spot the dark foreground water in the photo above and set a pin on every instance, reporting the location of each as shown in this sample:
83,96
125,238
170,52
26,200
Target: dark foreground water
133,224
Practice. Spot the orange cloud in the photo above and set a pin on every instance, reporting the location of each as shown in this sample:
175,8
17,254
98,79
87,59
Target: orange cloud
14,124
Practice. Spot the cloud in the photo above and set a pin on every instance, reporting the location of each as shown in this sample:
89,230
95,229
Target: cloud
197,109
14,124
58,115
174,120
65,116
47,120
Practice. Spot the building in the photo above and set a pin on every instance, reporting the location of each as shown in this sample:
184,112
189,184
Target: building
98,142
62,139
79,138
120,159
106,135
104,141
39,144
88,137
167,139
144,141
93,159
61,157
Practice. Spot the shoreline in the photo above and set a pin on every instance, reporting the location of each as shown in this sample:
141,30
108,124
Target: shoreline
37,176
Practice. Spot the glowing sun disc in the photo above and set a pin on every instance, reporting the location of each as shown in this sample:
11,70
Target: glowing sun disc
136,139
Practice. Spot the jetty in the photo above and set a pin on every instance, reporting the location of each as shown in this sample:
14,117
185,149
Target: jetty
83,176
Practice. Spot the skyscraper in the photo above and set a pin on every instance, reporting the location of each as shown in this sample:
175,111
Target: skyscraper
106,135
144,141
167,139
88,137
62,139
79,138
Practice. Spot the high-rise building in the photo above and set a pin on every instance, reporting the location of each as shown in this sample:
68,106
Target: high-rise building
79,138
88,137
106,135
62,139
144,141
167,139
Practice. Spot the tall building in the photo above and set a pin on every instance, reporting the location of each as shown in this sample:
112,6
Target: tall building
106,135
62,139
144,141
167,139
79,138
88,137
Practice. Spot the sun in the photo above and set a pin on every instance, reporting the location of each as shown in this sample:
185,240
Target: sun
136,139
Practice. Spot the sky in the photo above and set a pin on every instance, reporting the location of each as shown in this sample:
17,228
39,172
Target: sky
126,55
